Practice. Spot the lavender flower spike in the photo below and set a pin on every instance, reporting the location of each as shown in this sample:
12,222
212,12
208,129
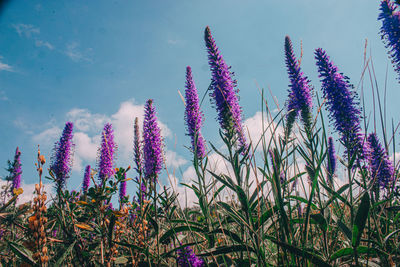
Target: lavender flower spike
86,179
137,148
224,93
107,149
62,158
16,171
300,90
122,189
343,104
193,116
390,31
331,166
187,258
380,165
153,144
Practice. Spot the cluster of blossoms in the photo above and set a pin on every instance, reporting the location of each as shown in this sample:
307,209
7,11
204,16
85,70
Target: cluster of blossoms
331,166
342,103
390,31
16,171
107,149
193,116
224,93
187,258
86,179
300,90
62,157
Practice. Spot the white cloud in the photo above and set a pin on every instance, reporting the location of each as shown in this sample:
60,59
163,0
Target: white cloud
41,43
85,121
4,66
48,135
73,52
3,96
173,160
26,30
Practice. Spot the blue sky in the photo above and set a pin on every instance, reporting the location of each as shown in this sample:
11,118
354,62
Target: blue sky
97,61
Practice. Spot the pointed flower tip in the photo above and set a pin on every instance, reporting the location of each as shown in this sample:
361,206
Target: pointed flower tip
107,150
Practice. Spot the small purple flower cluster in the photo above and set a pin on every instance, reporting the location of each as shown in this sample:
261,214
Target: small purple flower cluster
86,179
137,148
380,166
390,31
122,189
331,166
342,103
107,149
187,258
153,143
224,93
300,90
62,157
16,171
193,116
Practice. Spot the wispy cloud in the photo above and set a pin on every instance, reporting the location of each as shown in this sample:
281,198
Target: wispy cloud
4,66
41,43
3,96
27,30
74,53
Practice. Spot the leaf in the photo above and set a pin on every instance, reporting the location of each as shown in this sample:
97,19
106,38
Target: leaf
345,229
360,220
120,260
84,226
301,253
390,235
320,219
227,233
22,252
225,250
175,230
65,254
349,251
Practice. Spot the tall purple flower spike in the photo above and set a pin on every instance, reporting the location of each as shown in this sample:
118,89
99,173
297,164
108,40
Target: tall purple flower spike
62,156
193,116
390,31
16,171
122,189
86,179
381,167
343,104
331,166
187,258
224,94
153,143
300,100
107,149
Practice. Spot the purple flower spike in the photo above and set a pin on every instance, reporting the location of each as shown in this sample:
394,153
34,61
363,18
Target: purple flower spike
390,31
153,143
187,258
16,171
107,149
137,148
86,179
193,116
380,165
343,104
62,157
224,93
331,167
300,90
122,189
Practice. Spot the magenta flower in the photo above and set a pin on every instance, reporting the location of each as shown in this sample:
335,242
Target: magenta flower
343,104
122,189
300,90
153,143
137,148
107,149
193,116
61,160
86,179
224,94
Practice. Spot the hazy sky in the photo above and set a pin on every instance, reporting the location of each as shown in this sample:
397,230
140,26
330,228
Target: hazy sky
93,62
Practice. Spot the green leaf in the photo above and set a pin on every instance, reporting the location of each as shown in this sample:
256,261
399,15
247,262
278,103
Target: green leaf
183,228
225,250
62,256
227,233
23,253
360,220
320,219
121,260
343,252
